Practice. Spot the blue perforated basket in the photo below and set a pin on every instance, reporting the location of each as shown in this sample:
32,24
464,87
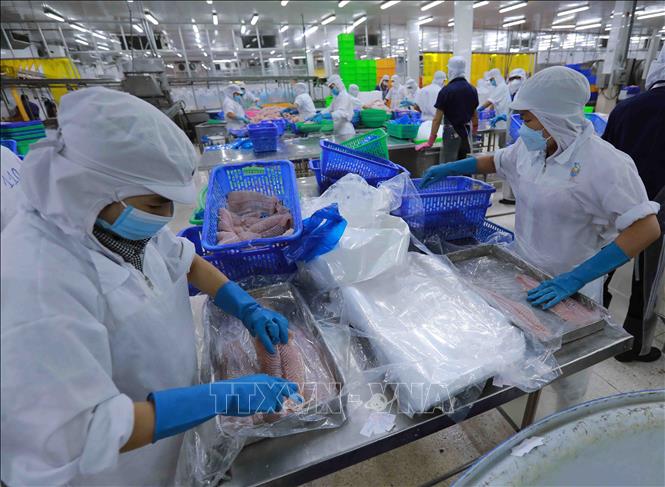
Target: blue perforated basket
239,265
280,123
338,161
264,136
453,208
273,178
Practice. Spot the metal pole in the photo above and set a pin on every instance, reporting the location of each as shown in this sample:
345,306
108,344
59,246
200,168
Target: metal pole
64,43
258,42
212,63
184,52
124,41
531,408
11,49
48,54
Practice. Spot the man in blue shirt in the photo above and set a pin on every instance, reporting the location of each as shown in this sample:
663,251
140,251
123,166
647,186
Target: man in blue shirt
456,106
637,127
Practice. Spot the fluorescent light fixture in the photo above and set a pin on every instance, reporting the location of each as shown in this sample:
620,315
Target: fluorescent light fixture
311,30
283,3
607,27
513,17
81,41
170,66
572,11
209,2
425,20
451,23
215,18
514,49
53,14
137,28
99,36
480,4
285,43
274,59
341,4
205,54
589,21
430,5
329,19
356,23
563,19
563,26
243,29
651,15
515,22
272,52
283,28
318,46
78,27
102,48
233,60
151,18
178,54
589,26
389,3
514,6
196,28
255,19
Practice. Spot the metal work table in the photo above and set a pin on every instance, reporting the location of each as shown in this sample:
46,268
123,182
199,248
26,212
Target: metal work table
300,458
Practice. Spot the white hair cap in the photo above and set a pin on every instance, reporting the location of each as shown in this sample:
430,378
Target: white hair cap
656,70
456,67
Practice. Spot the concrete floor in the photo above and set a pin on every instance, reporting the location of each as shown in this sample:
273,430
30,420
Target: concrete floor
434,455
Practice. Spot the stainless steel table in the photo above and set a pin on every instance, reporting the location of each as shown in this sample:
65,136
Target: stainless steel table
304,457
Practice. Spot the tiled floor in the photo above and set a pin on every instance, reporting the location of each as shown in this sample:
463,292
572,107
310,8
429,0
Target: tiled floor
434,455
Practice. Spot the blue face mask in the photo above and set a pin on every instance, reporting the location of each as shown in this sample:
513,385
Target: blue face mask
493,82
533,139
237,98
135,224
334,91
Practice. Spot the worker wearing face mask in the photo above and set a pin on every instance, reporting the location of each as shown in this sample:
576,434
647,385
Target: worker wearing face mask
341,108
98,348
384,86
426,97
515,79
581,210
499,98
411,92
303,102
397,93
354,90
248,98
234,113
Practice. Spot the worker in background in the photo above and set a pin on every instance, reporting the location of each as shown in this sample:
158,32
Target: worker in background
410,92
10,171
248,98
234,113
637,127
582,209
384,86
354,90
484,88
341,108
396,94
499,98
515,79
426,97
303,103
31,109
51,107
98,347
456,107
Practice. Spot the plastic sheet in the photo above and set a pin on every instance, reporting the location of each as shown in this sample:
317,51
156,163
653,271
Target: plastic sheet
229,351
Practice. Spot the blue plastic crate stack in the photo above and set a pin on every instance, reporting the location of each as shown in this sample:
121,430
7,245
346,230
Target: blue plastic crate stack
264,136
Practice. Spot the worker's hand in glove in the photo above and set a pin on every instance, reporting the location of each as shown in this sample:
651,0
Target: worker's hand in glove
481,108
177,410
269,326
497,119
406,103
246,120
551,292
316,118
327,116
441,171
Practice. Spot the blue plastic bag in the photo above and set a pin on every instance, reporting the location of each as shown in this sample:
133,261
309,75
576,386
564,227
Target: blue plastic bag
320,235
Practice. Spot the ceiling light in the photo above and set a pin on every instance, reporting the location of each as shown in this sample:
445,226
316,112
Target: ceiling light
273,59
283,3
513,17
255,19
515,22
81,41
388,4
572,10
590,26
651,15
341,3
103,48
178,54
215,19
137,28
284,28
514,6
151,18
311,30
356,23
243,29
78,27
53,14
563,19
285,43
99,36
590,21
327,20
196,28
430,5
451,23
480,4
563,26
272,52
425,20
318,46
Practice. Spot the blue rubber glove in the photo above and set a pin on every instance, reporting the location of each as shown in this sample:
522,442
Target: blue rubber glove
498,119
246,120
327,116
457,168
406,103
177,410
481,108
316,118
553,291
270,327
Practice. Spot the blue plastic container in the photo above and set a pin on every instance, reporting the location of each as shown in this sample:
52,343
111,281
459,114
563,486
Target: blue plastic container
315,167
239,265
486,233
356,118
264,136
11,145
413,115
280,123
239,133
274,178
453,208
338,161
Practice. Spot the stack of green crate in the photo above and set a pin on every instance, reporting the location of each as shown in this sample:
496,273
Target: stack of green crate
24,133
361,72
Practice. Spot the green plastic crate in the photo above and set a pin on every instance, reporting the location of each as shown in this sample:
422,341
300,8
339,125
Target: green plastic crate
327,125
307,128
588,109
377,146
403,131
197,214
373,117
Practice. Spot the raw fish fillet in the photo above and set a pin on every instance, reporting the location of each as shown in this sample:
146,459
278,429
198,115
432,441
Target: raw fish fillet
525,318
568,310
244,203
272,226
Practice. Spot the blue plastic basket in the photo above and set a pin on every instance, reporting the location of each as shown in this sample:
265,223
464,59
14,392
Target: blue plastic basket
264,136
274,178
315,167
11,145
453,208
356,118
338,161
487,233
514,128
239,133
280,123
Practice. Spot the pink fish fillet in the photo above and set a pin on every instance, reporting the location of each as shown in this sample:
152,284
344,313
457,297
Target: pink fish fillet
525,318
225,222
251,203
568,310
272,226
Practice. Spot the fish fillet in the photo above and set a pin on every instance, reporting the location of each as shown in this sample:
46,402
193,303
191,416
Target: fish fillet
523,316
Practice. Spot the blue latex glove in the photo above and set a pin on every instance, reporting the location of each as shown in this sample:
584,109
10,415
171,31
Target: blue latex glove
177,410
406,103
270,327
327,116
481,108
498,119
246,120
316,118
457,168
553,291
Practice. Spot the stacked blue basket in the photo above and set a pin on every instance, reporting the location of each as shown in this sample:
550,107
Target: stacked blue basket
280,123
264,136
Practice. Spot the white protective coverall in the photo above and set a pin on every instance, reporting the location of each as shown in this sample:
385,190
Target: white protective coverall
397,93
341,108
515,80
499,96
84,333
426,97
572,203
249,99
231,106
353,91
10,171
303,102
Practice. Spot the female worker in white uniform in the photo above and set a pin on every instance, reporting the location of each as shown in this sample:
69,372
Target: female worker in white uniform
426,97
303,102
354,91
410,94
234,113
581,208
397,92
341,108
98,348
499,98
